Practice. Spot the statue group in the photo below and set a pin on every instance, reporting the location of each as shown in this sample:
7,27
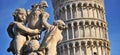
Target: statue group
26,30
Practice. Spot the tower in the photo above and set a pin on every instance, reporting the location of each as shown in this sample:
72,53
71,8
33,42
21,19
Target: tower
87,32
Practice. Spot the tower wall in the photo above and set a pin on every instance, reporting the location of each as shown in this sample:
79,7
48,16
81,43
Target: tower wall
87,32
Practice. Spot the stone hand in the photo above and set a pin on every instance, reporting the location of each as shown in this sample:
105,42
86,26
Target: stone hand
37,31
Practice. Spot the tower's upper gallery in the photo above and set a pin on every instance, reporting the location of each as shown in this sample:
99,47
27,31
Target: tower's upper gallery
58,3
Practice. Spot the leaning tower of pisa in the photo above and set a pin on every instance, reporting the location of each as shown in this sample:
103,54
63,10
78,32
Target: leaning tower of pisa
87,32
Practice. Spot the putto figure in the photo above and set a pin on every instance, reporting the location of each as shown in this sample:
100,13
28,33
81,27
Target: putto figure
35,17
18,32
52,37
26,39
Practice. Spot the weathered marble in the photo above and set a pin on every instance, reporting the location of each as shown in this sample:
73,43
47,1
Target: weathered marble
25,39
18,31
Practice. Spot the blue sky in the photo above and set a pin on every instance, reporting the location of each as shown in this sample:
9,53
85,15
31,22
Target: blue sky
8,6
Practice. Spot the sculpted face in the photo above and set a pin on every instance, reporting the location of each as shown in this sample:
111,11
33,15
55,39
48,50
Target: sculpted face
60,24
20,15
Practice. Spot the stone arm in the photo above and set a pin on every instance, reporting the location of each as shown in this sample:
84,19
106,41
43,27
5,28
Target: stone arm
10,30
60,40
27,30
45,17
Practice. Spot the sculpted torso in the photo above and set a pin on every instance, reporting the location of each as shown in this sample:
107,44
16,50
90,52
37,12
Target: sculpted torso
34,20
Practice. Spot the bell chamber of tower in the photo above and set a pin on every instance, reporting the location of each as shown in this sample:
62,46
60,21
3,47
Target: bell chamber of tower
87,32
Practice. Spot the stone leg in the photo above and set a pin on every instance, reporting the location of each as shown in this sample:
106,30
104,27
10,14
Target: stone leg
19,42
11,47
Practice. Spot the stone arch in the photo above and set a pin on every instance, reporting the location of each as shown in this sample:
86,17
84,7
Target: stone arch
68,12
68,6
70,45
66,49
81,23
95,5
104,44
89,43
77,44
81,29
102,25
83,43
90,10
101,30
92,23
97,23
73,5
83,48
89,47
97,29
74,10
95,43
80,10
87,22
61,49
76,31
100,47
85,10
84,4
75,23
60,13
98,6
102,13
77,48
79,4
90,5
100,43
70,31
108,45
95,11
106,26
95,47
71,49
93,31
58,50
87,29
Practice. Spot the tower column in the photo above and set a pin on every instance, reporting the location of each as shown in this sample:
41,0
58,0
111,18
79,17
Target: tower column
76,11
63,50
68,49
71,11
72,26
67,34
74,48
65,13
84,29
78,28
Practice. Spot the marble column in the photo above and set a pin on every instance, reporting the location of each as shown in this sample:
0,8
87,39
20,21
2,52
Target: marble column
71,12
65,13
67,34
72,26
68,49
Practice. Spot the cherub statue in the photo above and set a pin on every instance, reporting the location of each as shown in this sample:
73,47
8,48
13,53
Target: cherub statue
18,31
52,37
35,17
